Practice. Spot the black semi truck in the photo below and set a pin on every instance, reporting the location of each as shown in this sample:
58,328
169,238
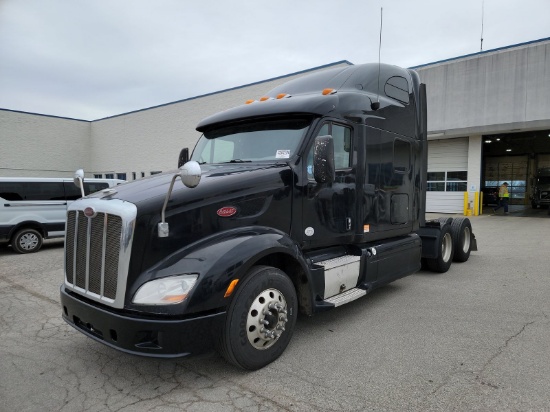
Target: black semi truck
298,202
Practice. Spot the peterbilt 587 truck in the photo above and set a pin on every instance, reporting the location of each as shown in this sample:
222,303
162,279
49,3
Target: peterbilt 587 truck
298,202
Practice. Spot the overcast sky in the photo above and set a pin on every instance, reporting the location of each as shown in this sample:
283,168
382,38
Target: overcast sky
89,59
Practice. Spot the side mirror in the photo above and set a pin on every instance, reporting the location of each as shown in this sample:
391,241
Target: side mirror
323,159
78,177
184,157
79,180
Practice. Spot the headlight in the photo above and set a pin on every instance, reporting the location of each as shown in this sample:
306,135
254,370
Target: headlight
165,291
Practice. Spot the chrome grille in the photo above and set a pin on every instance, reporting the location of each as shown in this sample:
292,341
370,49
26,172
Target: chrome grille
97,249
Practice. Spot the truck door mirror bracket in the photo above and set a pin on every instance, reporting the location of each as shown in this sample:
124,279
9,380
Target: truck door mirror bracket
190,175
323,159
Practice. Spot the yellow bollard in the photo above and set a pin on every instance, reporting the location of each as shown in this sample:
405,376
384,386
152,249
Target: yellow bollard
481,203
476,204
465,203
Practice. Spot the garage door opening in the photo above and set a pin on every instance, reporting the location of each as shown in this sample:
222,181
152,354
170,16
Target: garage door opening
514,158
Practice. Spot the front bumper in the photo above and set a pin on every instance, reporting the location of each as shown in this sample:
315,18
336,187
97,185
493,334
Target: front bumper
162,338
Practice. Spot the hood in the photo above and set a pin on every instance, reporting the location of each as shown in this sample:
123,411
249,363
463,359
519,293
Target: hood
228,196
149,193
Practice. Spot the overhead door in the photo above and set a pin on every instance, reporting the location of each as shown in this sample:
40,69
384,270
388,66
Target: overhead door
447,175
512,170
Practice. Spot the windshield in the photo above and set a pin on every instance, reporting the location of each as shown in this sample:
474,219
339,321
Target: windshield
266,140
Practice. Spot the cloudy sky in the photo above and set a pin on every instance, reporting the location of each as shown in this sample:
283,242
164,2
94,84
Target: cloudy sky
89,59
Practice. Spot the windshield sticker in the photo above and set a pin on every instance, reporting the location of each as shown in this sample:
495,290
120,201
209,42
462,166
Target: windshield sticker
282,154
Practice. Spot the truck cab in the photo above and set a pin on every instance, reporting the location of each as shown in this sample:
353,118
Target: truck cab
298,201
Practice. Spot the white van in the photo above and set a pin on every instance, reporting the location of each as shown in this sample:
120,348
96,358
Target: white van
33,209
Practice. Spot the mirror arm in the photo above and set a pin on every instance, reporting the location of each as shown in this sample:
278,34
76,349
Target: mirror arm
163,229
81,186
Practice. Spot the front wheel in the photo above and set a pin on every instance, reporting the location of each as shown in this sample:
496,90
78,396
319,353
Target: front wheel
260,319
27,241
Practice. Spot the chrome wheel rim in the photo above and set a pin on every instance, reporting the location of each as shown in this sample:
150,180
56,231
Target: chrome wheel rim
266,319
466,242
446,247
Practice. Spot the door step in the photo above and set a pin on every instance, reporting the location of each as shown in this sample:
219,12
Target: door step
346,297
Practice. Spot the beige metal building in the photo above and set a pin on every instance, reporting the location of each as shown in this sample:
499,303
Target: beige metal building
488,122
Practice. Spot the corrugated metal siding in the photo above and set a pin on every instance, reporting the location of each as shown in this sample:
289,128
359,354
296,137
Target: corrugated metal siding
447,155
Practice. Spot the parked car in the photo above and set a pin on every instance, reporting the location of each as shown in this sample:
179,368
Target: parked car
33,208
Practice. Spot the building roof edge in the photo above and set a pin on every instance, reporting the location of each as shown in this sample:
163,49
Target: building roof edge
481,53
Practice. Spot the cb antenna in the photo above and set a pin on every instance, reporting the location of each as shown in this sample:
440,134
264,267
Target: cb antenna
482,15
376,105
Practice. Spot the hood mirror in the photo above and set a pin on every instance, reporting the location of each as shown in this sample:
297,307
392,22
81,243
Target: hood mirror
79,180
190,174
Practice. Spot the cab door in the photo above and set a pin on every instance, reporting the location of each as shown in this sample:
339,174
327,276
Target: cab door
329,212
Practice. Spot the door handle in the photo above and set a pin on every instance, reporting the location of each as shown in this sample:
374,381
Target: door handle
348,223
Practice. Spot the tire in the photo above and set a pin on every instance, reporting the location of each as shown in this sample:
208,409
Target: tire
444,259
461,229
27,241
266,294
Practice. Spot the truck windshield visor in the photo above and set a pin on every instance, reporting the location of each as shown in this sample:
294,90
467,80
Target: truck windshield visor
250,142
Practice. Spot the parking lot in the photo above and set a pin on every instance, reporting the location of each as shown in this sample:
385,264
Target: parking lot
476,338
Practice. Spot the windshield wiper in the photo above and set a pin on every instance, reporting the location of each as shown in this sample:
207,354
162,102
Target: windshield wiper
239,161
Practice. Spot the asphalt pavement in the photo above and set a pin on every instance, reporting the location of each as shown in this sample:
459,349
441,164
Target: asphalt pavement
476,338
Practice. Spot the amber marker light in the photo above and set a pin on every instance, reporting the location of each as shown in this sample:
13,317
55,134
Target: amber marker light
282,95
231,288
174,298
328,91
249,101
263,99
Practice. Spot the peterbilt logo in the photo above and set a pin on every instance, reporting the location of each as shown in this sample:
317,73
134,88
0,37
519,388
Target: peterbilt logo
90,212
226,211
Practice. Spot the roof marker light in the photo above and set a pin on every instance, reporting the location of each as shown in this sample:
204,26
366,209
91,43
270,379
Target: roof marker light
263,99
282,95
249,101
328,91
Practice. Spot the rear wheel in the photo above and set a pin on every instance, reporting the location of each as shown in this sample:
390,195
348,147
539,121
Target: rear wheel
260,319
461,229
27,241
443,261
